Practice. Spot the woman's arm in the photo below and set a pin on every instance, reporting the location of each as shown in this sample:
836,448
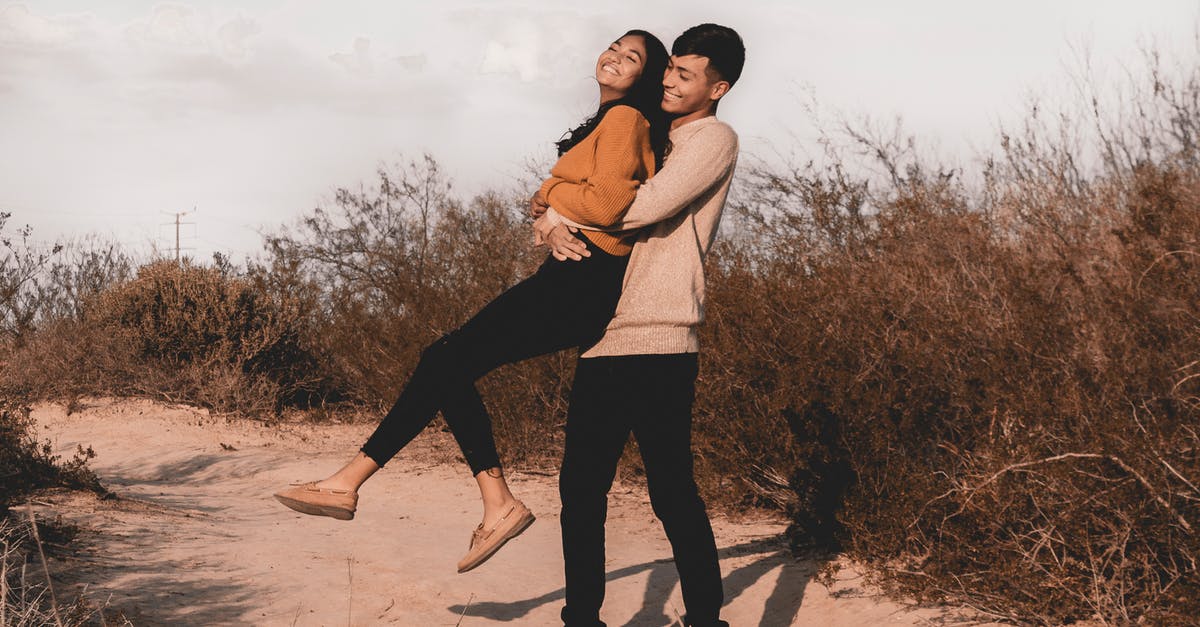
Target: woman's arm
622,141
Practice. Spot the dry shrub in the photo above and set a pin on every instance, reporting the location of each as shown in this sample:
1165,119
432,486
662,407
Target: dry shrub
76,273
993,389
27,465
1007,420
178,331
21,276
38,289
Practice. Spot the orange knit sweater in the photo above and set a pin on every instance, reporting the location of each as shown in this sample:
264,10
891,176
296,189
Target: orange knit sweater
598,178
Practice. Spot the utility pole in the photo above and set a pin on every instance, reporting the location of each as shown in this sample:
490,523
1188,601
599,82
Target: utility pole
179,222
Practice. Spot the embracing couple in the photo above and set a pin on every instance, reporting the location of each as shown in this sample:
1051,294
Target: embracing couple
629,212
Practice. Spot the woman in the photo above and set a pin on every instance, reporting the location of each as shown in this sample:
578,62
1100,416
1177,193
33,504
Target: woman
564,304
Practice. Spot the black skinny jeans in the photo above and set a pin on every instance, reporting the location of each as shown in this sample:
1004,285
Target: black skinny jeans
650,396
564,304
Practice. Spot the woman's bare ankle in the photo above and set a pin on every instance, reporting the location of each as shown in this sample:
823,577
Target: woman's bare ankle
494,512
332,483
493,491
351,476
498,502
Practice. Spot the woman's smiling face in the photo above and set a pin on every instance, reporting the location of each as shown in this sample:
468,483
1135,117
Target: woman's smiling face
619,67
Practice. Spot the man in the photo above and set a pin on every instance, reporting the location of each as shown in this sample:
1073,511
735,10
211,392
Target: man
640,377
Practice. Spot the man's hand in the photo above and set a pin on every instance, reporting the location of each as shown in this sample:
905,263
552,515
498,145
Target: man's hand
565,246
552,232
538,204
541,229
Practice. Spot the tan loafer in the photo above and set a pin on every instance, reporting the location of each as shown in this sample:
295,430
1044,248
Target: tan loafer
485,542
307,498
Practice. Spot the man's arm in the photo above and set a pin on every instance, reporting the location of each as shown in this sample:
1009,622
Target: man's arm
690,171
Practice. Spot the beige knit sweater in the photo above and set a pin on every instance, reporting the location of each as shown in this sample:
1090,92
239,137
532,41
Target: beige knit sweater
678,210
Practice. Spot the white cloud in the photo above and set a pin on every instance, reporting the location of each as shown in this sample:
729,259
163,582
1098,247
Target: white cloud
516,49
20,27
552,47
357,62
180,31
170,26
233,37
412,62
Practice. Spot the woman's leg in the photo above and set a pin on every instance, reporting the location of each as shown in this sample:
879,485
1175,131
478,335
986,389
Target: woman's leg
564,304
416,406
444,379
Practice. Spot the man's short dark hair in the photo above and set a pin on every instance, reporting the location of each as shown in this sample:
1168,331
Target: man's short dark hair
720,44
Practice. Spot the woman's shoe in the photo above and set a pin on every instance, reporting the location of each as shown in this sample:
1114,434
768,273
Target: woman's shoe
307,498
485,542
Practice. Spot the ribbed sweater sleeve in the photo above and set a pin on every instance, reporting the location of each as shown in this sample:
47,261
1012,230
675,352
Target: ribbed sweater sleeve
603,193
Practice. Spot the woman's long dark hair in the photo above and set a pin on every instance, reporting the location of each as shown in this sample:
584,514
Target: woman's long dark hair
645,96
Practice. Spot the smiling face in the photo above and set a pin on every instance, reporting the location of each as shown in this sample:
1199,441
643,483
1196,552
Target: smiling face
690,87
619,67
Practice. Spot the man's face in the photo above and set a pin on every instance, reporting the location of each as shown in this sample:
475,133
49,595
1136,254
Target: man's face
689,86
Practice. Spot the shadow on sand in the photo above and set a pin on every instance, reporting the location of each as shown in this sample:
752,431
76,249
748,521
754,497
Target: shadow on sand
122,549
781,606
152,591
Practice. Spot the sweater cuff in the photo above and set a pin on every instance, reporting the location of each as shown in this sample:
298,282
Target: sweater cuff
547,186
554,218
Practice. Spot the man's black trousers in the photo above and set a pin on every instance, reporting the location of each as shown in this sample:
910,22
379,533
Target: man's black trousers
651,397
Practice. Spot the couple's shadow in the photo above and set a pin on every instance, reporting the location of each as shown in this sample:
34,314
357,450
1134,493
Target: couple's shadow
772,554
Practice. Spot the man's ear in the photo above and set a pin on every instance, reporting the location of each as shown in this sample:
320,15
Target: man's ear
720,88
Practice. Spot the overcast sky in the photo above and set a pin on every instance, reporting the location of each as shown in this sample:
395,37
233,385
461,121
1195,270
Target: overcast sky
114,114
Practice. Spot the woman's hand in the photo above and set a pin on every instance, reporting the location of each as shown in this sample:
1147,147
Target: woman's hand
538,205
565,246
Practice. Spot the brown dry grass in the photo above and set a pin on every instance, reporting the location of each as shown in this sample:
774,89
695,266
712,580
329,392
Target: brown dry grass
993,387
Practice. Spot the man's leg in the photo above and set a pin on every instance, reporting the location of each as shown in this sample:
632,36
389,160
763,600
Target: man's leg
662,426
596,435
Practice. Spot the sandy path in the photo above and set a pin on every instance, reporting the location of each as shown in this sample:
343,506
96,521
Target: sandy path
195,538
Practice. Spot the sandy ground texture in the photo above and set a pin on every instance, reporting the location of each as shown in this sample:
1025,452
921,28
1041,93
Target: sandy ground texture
194,537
